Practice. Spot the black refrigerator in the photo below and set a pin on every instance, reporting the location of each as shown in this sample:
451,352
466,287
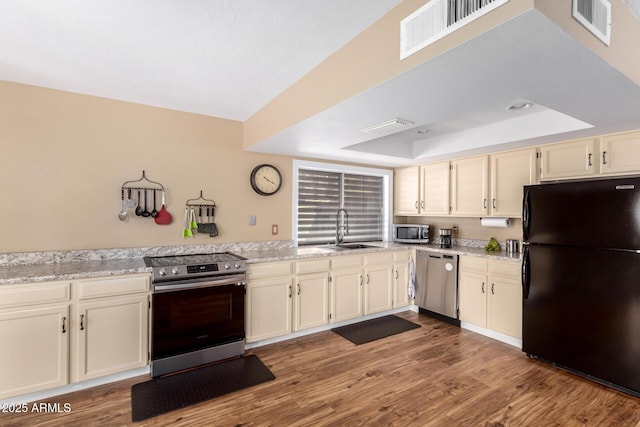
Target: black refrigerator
581,278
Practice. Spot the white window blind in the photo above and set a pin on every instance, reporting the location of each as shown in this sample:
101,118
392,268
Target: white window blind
321,194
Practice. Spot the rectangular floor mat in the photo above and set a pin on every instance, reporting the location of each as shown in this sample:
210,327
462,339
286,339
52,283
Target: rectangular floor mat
374,329
162,395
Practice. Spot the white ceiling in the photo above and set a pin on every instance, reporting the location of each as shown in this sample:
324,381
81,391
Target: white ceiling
223,58
228,58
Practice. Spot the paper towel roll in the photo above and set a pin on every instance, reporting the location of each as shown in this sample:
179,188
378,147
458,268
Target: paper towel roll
494,222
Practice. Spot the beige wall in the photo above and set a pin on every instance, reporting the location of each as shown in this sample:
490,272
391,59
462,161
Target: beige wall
65,157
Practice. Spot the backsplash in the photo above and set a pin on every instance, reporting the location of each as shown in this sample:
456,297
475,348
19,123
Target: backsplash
50,257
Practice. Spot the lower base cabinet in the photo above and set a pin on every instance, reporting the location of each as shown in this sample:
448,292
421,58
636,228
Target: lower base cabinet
35,349
286,297
491,295
57,333
268,309
378,282
112,336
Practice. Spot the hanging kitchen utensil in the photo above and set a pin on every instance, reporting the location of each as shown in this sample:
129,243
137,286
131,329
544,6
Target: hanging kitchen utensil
214,230
146,212
139,208
163,217
122,215
154,212
129,202
193,225
187,230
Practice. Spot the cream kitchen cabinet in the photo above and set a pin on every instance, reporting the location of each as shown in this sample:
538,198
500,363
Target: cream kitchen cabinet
60,332
570,159
510,172
491,295
311,304
34,332
407,191
620,154
346,282
111,326
378,282
435,183
268,302
401,278
469,186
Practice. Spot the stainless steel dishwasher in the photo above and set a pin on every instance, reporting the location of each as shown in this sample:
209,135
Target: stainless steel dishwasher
437,285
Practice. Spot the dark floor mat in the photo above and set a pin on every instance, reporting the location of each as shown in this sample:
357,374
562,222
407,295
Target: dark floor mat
158,396
374,329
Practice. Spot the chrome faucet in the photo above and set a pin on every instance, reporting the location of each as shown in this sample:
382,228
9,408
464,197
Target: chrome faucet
344,227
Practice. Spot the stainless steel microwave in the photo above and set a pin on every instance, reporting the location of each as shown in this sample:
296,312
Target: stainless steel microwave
411,233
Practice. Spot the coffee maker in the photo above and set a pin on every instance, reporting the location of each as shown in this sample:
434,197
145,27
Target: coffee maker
445,237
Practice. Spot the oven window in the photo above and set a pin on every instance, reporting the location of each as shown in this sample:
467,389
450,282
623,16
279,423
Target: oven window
189,320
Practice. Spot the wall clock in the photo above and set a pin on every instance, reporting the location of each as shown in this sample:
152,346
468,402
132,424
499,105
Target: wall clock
265,179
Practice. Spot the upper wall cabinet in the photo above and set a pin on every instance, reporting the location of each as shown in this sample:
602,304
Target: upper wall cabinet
406,191
568,159
620,153
510,171
469,186
615,154
435,181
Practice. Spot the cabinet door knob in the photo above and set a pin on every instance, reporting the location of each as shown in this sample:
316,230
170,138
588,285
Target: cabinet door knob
493,203
493,285
484,203
590,164
289,291
298,288
604,157
64,324
82,322
416,204
367,278
482,287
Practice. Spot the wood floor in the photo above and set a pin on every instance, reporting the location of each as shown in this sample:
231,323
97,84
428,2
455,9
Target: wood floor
436,375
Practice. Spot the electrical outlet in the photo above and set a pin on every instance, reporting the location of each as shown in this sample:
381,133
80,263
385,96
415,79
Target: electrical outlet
274,229
252,220
455,229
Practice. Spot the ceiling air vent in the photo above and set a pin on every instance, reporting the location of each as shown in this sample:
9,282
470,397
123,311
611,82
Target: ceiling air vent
595,16
438,18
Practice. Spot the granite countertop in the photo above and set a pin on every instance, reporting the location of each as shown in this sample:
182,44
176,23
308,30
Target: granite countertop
56,271
33,273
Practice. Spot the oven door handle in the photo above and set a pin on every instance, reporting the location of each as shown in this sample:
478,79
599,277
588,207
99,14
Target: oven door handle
238,279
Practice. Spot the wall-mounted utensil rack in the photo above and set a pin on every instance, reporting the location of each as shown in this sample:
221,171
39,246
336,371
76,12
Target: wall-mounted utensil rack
142,187
205,217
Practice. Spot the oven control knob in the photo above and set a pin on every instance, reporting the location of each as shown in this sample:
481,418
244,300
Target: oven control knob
162,272
236,265
175,270
227,266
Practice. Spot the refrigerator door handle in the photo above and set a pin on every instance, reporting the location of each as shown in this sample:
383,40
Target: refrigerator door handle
526,215
526,275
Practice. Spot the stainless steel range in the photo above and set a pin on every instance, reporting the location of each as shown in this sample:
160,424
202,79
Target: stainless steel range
197,310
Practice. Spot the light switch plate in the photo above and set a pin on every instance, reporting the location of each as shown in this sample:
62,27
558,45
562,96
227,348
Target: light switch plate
252,220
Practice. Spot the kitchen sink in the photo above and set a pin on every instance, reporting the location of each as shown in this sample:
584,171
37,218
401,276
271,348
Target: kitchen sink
349,246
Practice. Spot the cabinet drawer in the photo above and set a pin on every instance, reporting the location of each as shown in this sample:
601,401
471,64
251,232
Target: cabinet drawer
102,287
346,261
478,265
505,269
269,269
401,256
378,258
313,266
21,295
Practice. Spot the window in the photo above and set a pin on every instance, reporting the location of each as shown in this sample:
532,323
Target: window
320,190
